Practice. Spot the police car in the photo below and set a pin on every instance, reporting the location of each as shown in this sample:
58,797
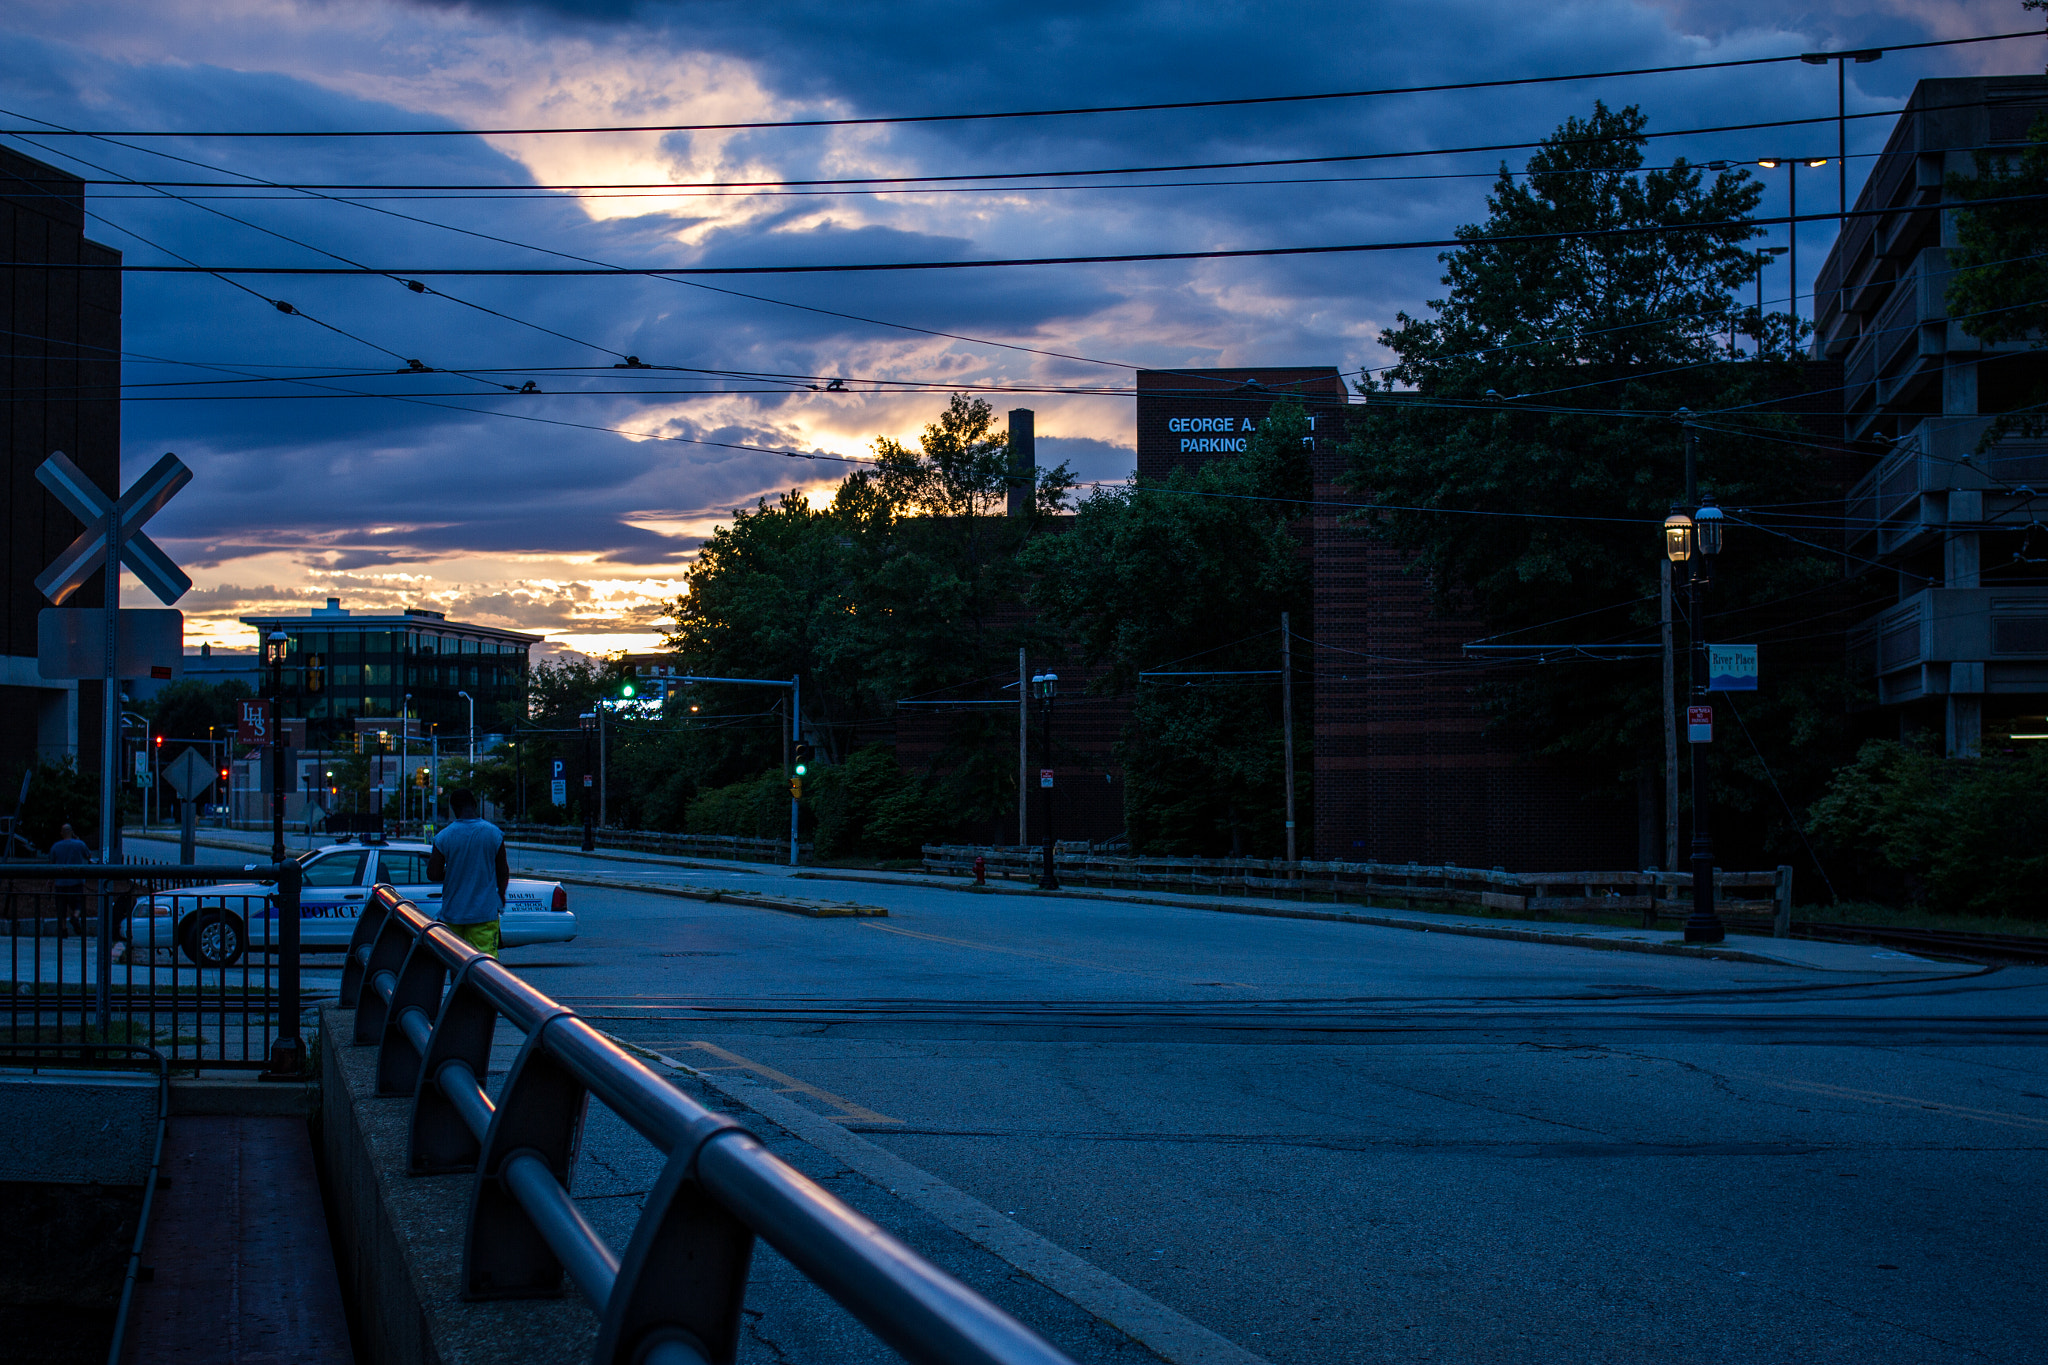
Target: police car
209,924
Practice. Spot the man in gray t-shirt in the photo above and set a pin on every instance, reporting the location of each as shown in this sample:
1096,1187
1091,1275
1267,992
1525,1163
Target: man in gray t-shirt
469,862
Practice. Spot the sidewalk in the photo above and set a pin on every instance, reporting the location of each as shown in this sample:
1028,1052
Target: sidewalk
655,872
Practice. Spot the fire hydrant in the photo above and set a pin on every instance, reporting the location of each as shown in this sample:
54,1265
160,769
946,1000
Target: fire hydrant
980,870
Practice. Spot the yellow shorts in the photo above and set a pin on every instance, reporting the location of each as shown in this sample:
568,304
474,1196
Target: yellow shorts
482,937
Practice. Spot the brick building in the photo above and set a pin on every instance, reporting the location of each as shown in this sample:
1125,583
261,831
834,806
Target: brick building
1403,768
60,346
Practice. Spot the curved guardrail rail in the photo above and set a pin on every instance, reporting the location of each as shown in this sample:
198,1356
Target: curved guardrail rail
430,1003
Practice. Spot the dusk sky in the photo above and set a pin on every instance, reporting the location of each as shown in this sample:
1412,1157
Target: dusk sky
434,489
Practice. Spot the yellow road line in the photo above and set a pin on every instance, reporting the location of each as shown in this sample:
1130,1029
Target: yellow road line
1016,952
789,1084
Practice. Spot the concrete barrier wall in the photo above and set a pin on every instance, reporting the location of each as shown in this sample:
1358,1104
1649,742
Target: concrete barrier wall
400,1238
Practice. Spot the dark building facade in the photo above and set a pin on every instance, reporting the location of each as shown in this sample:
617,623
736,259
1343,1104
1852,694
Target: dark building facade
1963,651
1404,769
345,667
61,353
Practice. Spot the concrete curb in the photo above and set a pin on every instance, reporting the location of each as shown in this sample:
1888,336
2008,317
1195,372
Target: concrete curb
241,1096
810,909
1719,952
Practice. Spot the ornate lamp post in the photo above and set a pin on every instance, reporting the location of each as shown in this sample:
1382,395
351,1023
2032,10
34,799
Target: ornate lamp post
275,648
1692,540
1046,687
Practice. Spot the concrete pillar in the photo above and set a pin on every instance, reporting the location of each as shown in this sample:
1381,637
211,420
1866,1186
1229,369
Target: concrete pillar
1965,709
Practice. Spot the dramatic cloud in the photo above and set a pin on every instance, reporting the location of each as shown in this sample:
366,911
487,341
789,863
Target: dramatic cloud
521,475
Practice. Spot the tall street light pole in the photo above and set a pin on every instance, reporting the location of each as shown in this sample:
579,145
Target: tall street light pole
1792,165
404,761
588,720
1046,686
274,650
1692,539
1841,61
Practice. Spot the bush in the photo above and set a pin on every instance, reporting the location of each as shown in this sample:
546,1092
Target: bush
1958,836
754,808
869,806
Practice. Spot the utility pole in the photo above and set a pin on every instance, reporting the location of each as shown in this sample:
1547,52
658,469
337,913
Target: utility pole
796,731
1048,686
588,722
1287,723
1023,755
1670,735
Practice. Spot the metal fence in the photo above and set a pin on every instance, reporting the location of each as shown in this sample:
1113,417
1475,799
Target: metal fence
146,954
430,1003
1760,901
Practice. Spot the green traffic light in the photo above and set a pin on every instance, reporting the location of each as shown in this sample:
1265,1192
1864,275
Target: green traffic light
626,691
800,770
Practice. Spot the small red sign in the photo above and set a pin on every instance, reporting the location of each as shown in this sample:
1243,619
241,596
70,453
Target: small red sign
587,780
254,729
1045,777
159,671
1699,724
1699,715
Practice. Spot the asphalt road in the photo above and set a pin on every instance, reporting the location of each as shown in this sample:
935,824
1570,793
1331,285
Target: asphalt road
1334,1143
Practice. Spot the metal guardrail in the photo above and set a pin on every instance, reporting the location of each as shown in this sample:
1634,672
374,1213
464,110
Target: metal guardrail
430,1003
734,847
1753,897
234,1002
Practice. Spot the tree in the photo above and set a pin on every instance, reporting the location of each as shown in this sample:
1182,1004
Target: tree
1191,572
905,582
1999,292
1526,444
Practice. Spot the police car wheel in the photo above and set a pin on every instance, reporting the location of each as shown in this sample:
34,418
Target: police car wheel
214,939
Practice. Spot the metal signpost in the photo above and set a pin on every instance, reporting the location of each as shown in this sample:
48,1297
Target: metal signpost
189,776
112,538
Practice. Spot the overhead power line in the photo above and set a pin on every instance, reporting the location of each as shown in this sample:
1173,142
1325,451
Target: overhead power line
1154,107
1118,258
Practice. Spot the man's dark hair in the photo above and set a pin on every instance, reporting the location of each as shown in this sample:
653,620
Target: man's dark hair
462,800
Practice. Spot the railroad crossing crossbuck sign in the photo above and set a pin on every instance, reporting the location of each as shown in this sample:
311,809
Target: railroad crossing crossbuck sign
143,500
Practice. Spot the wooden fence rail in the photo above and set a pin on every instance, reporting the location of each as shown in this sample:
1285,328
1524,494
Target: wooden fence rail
1746,900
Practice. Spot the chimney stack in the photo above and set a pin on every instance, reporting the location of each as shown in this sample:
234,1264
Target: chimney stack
1023,461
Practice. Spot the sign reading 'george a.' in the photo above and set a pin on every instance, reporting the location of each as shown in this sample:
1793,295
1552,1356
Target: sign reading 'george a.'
85,555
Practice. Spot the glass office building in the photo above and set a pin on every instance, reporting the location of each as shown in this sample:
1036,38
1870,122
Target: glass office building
345,666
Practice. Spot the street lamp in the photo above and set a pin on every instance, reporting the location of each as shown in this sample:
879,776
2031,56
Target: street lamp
275,648
1692,541
1792,165
1046,686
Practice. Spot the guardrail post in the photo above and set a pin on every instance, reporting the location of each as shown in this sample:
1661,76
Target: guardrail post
684,1276
368,925
504,1256
287,1050
1781,927
441,1143
387,954
420,981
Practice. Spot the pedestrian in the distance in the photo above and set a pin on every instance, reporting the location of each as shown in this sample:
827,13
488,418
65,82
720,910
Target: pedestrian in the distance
70,851
469,862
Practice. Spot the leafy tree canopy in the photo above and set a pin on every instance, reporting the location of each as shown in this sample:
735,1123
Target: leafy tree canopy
1526,441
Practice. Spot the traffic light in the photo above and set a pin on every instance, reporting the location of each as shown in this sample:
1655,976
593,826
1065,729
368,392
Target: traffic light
159,741
804,754
626,690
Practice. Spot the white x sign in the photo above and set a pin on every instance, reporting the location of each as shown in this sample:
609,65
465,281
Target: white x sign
84,556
